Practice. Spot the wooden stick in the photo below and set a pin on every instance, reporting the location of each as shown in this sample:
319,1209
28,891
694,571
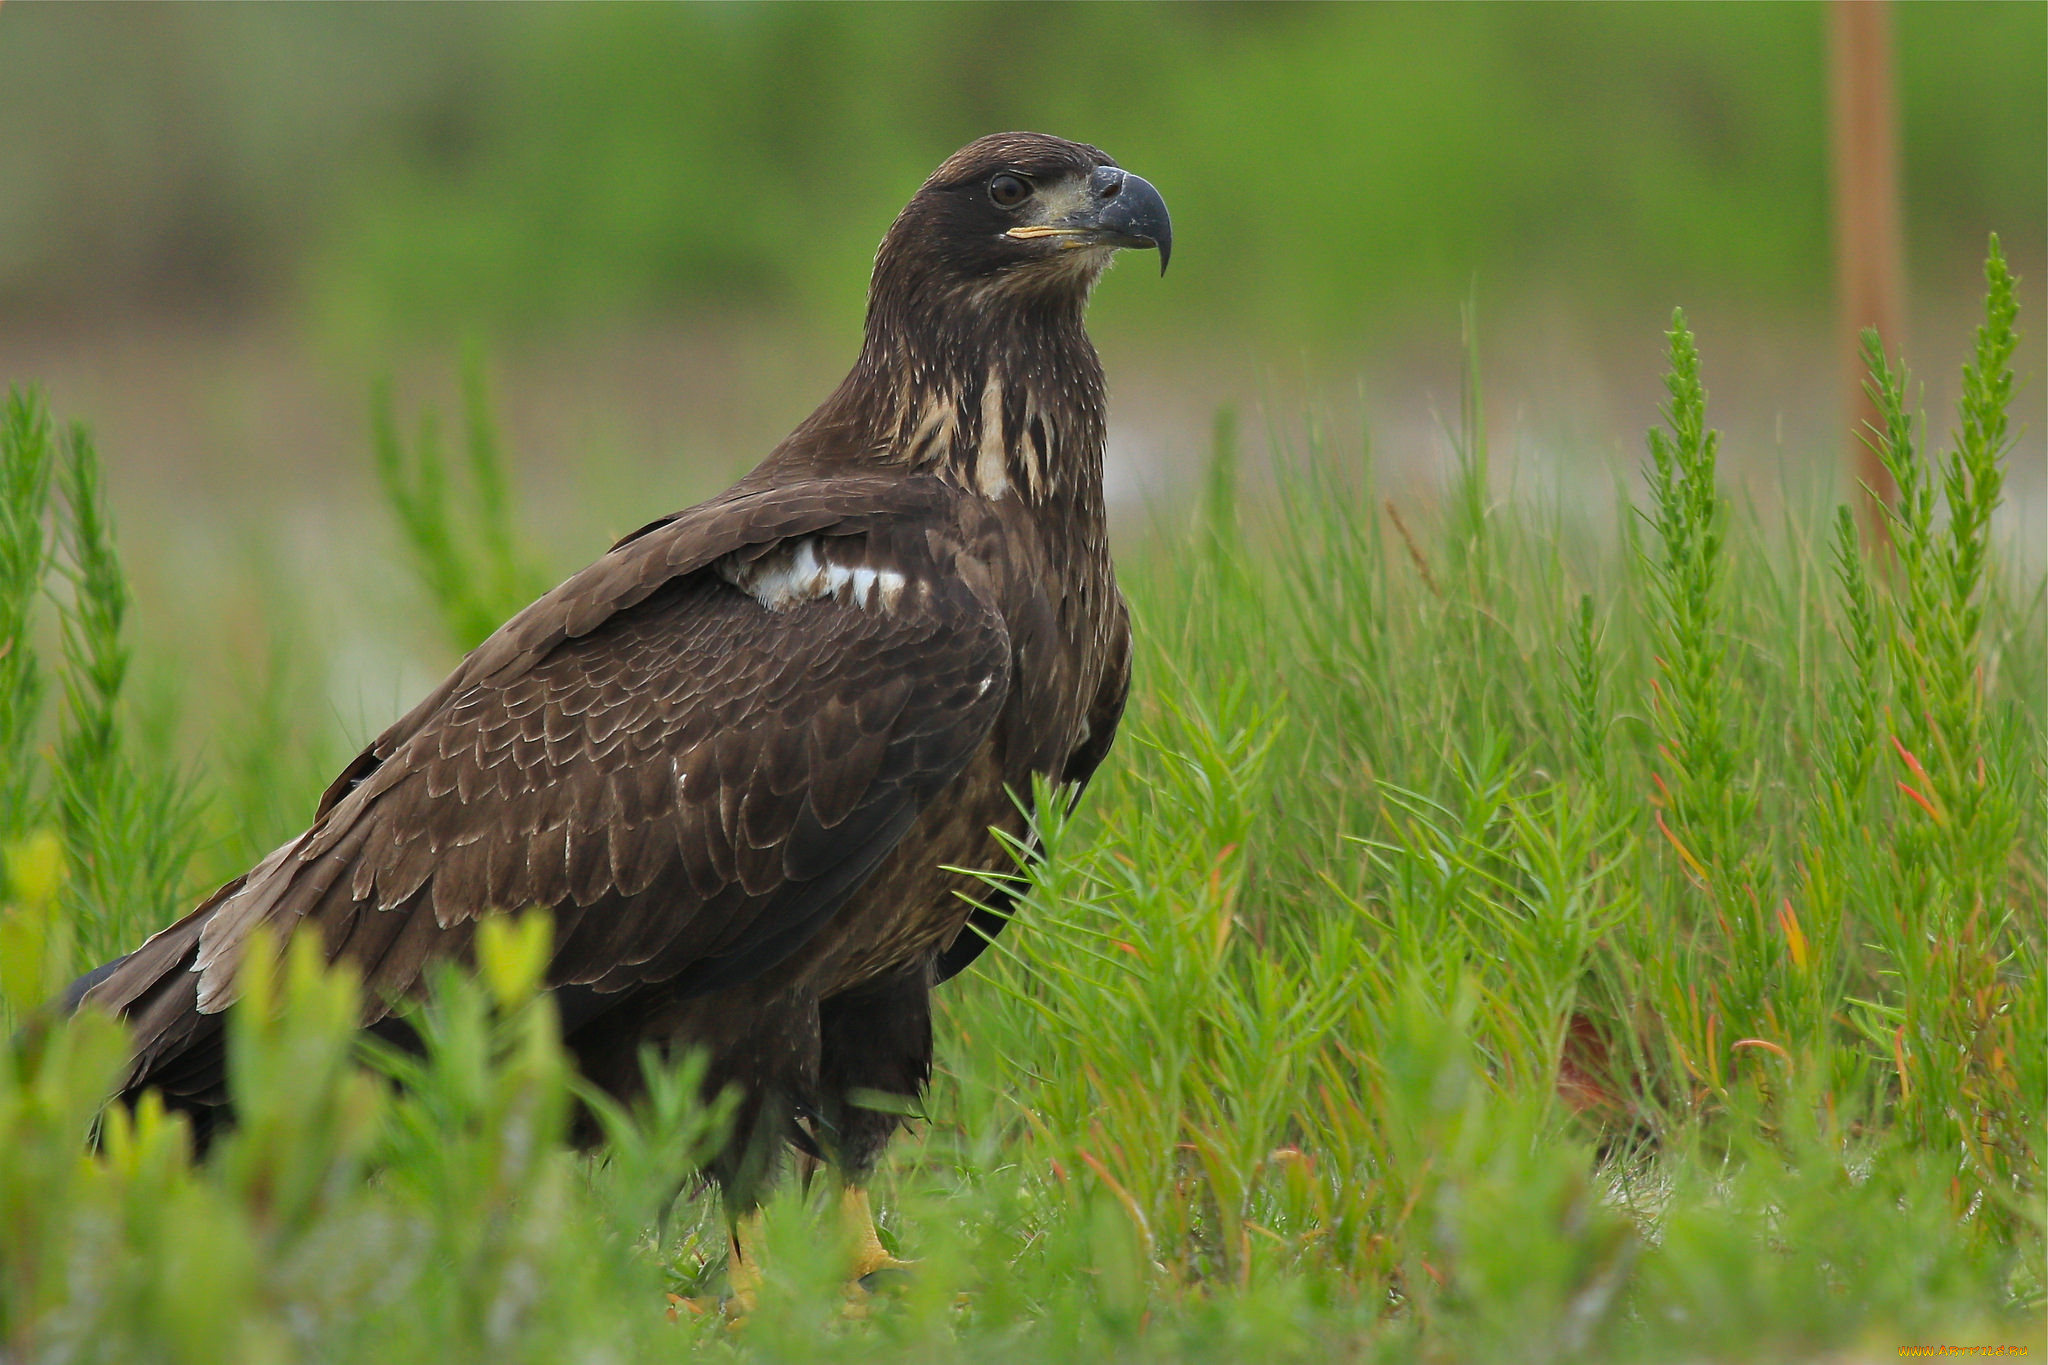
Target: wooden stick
1869,271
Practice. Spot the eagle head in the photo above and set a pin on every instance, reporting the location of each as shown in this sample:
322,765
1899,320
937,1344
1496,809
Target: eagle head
1022,212
975,362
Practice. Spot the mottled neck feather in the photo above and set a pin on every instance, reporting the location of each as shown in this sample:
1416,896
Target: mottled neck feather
993,388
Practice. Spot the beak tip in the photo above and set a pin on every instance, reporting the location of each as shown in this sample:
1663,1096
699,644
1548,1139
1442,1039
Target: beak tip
1138,218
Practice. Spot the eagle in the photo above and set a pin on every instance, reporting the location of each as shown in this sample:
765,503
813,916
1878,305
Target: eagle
752,758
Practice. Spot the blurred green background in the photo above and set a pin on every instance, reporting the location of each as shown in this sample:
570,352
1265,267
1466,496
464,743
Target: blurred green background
419,171
220,223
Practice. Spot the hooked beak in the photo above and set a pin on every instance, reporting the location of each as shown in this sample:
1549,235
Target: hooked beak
1117,209
1131,212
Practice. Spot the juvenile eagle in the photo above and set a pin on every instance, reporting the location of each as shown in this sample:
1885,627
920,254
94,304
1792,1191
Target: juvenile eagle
737,755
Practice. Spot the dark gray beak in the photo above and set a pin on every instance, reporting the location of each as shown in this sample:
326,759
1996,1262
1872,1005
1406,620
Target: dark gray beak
1130,212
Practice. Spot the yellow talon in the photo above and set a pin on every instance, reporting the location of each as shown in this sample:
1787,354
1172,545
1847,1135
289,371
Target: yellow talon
743,1272
869,1255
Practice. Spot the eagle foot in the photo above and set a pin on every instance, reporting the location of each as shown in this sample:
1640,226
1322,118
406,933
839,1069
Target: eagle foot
743,1272
873,1270
873,1267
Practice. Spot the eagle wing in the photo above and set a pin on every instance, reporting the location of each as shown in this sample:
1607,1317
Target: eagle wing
694,751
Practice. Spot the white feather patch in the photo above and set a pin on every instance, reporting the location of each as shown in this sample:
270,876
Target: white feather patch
991,461
798,573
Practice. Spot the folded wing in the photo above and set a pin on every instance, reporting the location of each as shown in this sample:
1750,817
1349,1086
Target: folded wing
693,752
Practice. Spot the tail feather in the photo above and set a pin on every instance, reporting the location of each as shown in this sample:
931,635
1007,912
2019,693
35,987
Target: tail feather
67,1004
174,1048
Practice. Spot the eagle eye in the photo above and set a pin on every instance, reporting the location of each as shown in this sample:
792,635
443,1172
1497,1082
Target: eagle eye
1008,191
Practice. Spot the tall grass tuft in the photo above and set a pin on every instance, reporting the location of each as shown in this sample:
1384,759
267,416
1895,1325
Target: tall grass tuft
125,819
1952,929
27,457
127,826
460,535
1695,690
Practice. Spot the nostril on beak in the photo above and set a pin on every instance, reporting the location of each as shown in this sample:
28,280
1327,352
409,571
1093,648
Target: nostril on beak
1109,182
1112,189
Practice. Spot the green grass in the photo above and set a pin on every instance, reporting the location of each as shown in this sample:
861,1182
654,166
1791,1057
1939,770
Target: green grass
1505,930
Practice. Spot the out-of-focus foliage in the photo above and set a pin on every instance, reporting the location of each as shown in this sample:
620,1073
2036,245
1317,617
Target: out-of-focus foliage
463,546
342,1219
437,168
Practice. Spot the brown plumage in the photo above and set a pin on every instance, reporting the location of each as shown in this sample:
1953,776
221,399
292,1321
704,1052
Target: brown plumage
735,755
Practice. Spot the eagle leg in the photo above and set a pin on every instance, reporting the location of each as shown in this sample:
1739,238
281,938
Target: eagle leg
875,1058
